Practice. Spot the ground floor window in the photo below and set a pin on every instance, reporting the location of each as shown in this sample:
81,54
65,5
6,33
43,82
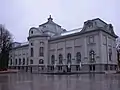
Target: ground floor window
92,67
115,67
77,68
41,61
52,68
31,61
106,67
60,68
111,67
42,68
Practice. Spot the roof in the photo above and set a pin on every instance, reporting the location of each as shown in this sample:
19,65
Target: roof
71,31
100,20
25,44
79,32
50,21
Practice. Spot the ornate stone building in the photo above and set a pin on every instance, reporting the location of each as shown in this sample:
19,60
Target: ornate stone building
52,48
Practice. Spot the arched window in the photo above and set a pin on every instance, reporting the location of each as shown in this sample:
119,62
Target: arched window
41,61
19,61
68,58
31,32
31,52
11,62
23,61
16,61
52,59
110,54
92,56
60,59
41,51
27,61
31,61
78,57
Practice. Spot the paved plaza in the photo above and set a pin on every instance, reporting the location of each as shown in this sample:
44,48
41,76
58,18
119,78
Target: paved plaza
28,81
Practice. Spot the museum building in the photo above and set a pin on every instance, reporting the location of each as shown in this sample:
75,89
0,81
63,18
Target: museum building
50,48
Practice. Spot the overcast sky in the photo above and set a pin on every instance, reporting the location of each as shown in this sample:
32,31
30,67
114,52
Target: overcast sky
19,15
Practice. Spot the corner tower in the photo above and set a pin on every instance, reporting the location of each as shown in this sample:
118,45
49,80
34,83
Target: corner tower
38,41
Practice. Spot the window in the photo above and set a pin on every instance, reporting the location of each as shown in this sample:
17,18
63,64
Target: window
77,68
31,61
110,54
31,44
11,62
115,67
91,39
104,39
31,32
68,58
16,61
78,57
90,24
23,61
111,67
92,56
60,68
44,26
19,61
27,61
41,61
60,59
41,51
41,43
106,67
32,52
92,67
52,59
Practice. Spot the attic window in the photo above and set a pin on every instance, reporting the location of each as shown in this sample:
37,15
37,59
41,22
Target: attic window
31,32
44,26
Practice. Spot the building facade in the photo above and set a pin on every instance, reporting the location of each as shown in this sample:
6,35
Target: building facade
51,48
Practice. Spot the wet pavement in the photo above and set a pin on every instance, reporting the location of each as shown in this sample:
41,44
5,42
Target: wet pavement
28,81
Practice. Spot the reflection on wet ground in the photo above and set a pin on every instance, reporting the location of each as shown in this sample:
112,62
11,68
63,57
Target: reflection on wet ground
28,81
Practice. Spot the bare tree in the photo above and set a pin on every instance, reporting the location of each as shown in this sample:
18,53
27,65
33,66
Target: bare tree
5,47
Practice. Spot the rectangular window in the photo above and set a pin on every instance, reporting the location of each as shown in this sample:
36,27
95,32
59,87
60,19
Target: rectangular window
106,67
104,39
111,67
115,66
16,61
27,61
19,61
91,39
23,61
11,62
41,52
32,52
31,61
